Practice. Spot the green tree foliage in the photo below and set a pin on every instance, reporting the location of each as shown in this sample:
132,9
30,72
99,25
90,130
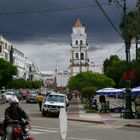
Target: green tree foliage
114,68
18,83
88,93
89,79
7,71
137,12
133,24
21,83
109,62
128,30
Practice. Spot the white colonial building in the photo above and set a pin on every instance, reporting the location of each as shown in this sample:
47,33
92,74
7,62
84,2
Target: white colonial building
20,62
5,48
25,69
79,46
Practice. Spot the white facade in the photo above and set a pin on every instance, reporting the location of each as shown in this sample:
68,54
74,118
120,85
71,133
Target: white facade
25,68
48,78
79,55
5,47
34,73
19,61
62,78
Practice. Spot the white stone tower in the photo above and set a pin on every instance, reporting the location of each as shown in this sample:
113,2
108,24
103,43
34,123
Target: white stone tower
79,56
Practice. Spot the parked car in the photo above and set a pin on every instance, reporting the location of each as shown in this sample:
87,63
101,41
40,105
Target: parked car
53,103
17,93
8,94
32,96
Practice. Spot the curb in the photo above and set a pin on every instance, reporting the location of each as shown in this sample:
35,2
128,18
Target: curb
132,125
100,122
84,120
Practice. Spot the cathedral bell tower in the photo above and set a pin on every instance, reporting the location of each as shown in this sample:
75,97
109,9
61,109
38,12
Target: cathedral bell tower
79,56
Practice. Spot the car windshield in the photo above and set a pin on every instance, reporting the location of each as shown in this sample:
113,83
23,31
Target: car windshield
55,98
32,92
9,93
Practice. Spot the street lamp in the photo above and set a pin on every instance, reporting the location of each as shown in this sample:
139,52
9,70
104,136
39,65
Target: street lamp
128,113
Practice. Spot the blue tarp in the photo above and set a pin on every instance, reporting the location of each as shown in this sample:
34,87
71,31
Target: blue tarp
110,91
135,91
114,91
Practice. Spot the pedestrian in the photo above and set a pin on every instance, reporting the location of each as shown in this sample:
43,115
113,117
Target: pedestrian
40,100
76,94
94,104
102,99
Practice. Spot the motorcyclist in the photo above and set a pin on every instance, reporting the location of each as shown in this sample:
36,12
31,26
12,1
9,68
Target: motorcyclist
13,114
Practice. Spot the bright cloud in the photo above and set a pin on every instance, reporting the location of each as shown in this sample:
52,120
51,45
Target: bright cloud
48,56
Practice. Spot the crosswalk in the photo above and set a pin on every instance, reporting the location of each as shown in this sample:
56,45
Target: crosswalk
35,130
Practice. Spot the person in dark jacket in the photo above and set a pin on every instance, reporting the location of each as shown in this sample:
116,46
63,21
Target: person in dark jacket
102,99
13,114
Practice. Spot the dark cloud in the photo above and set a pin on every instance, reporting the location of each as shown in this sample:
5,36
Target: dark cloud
43,27
58,22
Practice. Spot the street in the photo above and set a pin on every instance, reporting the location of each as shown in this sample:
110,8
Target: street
48,127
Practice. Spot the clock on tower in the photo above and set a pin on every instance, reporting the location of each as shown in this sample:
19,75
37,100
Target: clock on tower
78,31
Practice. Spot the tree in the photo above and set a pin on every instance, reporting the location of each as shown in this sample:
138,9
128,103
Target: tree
133,20
128,32
115,72
109,62
137,11
7,71
88,93
22,83
89,79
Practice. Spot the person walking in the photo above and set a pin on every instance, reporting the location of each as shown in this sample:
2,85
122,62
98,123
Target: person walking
40,100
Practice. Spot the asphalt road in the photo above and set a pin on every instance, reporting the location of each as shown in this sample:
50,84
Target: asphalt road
47,128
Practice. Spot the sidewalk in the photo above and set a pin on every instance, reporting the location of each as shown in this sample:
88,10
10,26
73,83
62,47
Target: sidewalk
76,112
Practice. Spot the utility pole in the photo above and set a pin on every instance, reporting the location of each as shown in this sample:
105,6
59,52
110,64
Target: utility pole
137,43
128,113
80,58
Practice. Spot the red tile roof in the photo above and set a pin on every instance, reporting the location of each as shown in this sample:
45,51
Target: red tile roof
78,23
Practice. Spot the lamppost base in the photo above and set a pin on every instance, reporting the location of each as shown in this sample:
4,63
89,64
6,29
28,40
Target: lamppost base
128,115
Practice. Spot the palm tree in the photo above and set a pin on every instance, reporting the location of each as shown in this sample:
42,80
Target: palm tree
133,25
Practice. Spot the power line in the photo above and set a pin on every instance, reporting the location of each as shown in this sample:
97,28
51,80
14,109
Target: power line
107,17
49,11
48,36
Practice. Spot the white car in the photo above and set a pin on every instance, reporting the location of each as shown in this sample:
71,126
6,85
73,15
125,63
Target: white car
53,103
8,95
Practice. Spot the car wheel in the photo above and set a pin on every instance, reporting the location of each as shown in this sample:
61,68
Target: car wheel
43,113
57,115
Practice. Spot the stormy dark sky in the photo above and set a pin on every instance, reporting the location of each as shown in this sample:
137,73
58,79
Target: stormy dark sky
48,23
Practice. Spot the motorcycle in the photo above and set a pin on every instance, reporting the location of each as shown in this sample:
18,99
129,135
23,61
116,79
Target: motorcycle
21,131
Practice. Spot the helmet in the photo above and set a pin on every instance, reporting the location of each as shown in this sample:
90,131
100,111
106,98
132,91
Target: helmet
13,100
